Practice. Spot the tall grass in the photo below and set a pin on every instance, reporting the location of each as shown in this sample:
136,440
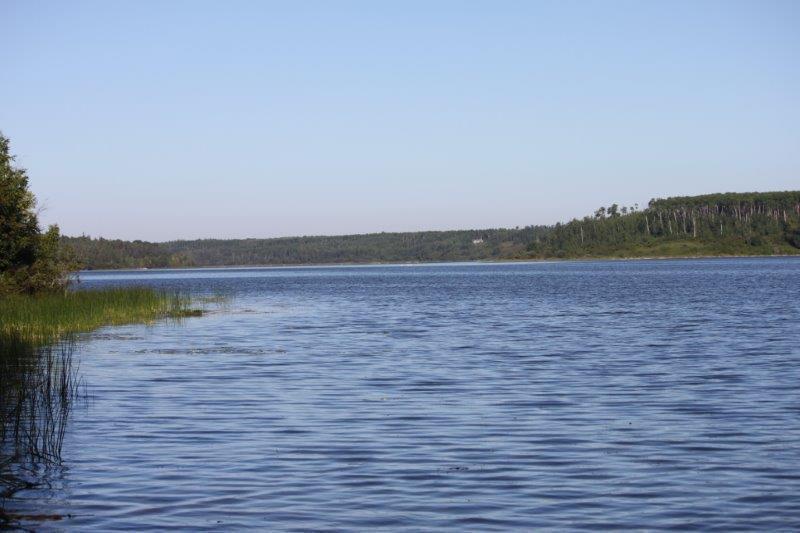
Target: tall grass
48,317
38,379
38,385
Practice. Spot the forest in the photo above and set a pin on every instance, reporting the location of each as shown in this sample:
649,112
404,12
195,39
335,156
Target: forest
709,225
465,245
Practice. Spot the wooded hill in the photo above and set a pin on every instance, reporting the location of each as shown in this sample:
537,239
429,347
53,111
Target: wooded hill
465,245
714,224
709,225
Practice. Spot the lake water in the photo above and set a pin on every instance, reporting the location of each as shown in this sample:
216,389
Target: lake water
629,394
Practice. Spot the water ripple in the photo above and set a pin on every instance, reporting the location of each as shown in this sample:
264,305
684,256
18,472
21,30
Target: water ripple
584,396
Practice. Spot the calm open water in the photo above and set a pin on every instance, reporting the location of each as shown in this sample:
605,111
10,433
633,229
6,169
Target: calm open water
630,394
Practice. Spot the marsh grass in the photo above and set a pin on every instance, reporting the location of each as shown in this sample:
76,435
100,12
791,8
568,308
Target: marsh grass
48,317
38,386
39,380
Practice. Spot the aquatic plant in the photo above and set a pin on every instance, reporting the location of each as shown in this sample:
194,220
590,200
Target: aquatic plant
38,386
47,317
38,378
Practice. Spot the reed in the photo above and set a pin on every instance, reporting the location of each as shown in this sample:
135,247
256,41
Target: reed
38,386
38,379
48,317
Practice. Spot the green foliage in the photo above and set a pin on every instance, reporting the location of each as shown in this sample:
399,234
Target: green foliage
716,224
30,261
375,247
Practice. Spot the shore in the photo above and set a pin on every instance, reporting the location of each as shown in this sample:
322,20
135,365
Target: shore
45,318
432,263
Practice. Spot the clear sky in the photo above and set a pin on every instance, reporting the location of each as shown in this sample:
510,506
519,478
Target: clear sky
164,120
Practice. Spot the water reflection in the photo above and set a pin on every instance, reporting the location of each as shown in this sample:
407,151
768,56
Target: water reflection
38,387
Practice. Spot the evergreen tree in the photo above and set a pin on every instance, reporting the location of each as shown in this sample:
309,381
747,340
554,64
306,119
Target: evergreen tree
29,260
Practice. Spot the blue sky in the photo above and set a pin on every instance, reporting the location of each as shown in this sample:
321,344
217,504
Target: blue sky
165,120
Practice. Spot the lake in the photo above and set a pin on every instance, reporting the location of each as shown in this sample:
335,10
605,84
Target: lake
567,395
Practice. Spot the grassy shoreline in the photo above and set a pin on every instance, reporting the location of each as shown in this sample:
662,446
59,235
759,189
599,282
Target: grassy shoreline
45,318
39,382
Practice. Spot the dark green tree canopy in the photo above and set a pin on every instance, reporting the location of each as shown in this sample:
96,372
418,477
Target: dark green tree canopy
29,260
19,227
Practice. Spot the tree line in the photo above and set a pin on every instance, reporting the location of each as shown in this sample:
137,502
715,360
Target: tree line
461,245
714,224
34,260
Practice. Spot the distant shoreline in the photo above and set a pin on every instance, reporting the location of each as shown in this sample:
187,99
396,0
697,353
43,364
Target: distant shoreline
434,263
762,224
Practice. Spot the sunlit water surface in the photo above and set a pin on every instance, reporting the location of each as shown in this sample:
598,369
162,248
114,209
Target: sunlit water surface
637,394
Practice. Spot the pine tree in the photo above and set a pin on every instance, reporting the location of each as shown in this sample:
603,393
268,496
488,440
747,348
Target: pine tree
29,260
